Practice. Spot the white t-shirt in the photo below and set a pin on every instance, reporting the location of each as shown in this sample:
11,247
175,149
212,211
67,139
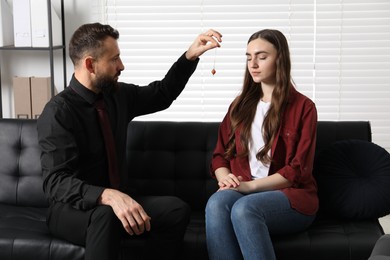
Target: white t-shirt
258,169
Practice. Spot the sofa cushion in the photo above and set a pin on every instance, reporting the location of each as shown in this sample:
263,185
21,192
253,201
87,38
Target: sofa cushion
172,158
353,179
20,171
330,239
24,235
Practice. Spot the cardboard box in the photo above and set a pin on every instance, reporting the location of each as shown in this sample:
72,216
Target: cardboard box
22,97
6,30
40,94
22,23
31,95
40,24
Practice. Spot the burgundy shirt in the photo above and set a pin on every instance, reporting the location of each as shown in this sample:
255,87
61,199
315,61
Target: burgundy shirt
292,152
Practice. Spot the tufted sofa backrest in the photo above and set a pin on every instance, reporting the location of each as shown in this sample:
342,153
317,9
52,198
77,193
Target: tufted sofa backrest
162,157
20,166
329,132
167,157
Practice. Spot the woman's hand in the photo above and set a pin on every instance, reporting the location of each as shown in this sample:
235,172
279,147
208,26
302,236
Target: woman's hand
236,183
229,181
271,182
245,187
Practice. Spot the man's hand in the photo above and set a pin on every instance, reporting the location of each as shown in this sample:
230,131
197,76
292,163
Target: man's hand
204,42
133,217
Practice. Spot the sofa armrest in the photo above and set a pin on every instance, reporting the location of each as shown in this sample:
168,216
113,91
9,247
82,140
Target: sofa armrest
381,249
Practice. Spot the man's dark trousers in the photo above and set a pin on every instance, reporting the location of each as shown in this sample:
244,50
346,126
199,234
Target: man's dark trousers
101,232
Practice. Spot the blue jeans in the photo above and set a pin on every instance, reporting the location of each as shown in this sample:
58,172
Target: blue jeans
239,226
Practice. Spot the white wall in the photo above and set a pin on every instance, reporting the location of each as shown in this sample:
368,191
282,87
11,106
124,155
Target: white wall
36,63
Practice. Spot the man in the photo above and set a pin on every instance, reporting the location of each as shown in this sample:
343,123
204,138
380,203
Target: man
89,205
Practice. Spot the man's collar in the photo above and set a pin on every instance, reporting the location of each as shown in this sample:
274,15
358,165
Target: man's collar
84,92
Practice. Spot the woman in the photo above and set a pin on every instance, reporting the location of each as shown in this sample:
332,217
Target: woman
263,159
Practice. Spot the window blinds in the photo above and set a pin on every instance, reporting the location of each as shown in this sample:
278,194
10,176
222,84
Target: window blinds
340,52
352,63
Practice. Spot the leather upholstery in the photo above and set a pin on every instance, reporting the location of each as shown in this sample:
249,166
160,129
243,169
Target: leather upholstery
20,185
23,231
381,250
173,158
168,157
163,158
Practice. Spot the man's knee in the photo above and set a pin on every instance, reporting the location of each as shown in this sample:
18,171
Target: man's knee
170,213
105,218
103,235
179,209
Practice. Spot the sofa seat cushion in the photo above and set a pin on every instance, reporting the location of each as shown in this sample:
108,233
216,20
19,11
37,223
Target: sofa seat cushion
24,233
194,243
353,179
329,238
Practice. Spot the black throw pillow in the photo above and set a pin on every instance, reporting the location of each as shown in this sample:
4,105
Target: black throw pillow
353,178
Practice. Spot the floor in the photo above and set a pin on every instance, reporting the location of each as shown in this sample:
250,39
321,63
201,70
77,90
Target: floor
385,223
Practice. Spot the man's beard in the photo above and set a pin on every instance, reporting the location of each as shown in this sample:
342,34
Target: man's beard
106,84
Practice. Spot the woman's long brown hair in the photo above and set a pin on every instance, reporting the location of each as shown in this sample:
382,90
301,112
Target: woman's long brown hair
243,108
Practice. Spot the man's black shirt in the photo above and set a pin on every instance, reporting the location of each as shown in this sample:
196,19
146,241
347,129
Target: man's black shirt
73,156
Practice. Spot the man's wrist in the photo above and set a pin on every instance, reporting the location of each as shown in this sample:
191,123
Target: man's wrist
190,57
104,197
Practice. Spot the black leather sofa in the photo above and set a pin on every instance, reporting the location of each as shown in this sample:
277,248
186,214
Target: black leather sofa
171,158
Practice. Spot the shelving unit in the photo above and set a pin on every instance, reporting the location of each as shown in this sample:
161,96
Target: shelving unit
49,49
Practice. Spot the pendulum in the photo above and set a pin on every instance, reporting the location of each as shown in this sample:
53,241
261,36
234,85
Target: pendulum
213,71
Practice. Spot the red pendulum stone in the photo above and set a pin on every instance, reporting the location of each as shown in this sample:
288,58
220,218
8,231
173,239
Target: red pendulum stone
213,71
